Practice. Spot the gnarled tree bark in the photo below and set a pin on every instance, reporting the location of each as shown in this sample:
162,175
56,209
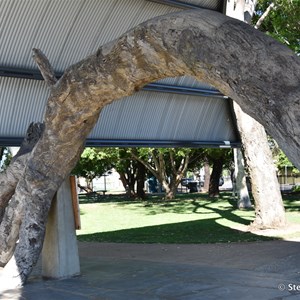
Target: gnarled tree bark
269,209
10,177
199,43
267,194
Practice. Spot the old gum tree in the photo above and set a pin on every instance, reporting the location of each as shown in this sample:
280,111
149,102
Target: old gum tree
200,43
269,209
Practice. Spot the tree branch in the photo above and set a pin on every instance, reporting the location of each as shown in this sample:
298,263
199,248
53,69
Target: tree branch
11,176
264,15
161,166
33,134
173,164
184,163
44,66
182,168
146,164
155,160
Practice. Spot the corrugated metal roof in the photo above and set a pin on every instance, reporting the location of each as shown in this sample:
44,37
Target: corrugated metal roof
143,116
22,102
69,30
161,116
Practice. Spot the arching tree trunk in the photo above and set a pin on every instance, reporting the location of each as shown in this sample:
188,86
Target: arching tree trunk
200,43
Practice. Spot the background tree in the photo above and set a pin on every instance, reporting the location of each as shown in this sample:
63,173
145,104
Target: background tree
168,165
266,191
94,162
140,180
280,159
128,169
206,174
239,181
218,159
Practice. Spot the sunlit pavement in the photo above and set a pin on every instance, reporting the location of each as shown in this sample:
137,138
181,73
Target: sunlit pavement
264,270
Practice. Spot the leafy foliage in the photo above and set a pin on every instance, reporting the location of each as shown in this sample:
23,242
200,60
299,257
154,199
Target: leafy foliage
94,162
283,22
280,159
296,189
5,158
166,164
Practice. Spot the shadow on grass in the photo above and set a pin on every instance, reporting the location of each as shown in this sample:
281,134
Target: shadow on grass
122,198
200,204
96,197
226,214
291,202
206,230
192,232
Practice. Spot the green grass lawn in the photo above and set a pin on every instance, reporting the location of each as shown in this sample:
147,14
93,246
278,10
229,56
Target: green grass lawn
191,218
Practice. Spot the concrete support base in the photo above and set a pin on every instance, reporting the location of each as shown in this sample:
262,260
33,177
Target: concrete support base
60,257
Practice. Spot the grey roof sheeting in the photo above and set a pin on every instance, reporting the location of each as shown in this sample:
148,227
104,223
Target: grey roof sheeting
66,30
144,116
163,116
69,30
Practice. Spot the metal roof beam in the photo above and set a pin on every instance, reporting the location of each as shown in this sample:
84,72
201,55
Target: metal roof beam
16,142
20,73
161,144
153,87
185,90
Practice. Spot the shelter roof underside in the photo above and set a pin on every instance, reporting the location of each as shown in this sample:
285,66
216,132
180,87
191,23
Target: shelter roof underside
174,111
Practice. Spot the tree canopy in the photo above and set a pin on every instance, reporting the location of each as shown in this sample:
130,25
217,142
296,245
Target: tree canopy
282,22
94,162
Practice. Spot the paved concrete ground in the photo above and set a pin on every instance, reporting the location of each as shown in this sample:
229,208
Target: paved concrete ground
264,270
